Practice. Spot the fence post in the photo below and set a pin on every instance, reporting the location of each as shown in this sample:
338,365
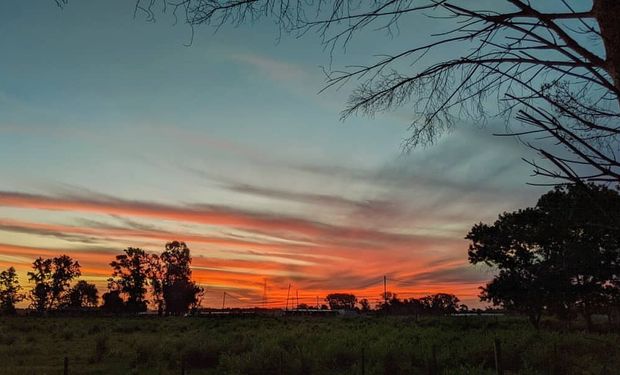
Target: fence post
497,346
363,361
66,366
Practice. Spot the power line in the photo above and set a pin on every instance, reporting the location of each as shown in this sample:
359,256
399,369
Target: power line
257,300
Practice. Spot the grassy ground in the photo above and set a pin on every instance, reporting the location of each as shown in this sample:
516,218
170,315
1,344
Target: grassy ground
255,345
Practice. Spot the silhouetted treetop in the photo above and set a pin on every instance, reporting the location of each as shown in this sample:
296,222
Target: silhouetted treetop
82,294
131,272
10,293
561,255
338,301
52,278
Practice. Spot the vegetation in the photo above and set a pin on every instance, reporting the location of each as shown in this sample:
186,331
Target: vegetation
263,345
51,278
435,304
83,294
166,276
131,271
341,301
559,257
9,291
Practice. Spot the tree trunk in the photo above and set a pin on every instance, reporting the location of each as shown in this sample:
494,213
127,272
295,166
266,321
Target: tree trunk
607,14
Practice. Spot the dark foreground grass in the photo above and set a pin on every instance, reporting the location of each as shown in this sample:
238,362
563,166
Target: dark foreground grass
261,345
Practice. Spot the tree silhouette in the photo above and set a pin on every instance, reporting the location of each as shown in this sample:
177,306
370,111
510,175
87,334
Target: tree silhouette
52,278
155,275
82,294
41,274
9,291
179,291
441,304
434,304
112,302
131,271
560,255
64,270
341,301
364,305
555,67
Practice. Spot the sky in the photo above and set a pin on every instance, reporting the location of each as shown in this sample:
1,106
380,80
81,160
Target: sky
114,132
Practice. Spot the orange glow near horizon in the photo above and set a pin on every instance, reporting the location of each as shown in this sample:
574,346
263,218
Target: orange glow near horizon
315,258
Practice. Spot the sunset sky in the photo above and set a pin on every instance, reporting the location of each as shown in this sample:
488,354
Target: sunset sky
114,133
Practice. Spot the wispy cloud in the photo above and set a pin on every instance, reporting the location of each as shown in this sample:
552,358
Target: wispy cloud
330,257
274,69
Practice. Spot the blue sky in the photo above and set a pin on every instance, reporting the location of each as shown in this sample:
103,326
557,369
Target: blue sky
101,113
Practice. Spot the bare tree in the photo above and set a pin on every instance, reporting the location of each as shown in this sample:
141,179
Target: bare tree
552,66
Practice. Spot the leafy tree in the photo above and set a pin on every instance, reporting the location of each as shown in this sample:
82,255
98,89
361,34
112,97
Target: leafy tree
112,302
156,272
83,294
364,305
52,278
9,291
64,270
441,304
341,301
41,275
179,292
562,254
132,271
555,66
435,304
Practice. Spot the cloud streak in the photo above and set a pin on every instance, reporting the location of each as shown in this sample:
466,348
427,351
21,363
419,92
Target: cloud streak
315,256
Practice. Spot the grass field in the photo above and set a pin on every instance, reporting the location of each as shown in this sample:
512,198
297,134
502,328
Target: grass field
261,345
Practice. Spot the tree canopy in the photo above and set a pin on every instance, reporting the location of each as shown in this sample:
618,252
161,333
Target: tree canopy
341,301
82,294
131,271
52,278
9,291
560,256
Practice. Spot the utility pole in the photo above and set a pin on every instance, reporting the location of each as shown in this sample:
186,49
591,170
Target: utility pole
265,295
297,295
384,290
287,294
224,301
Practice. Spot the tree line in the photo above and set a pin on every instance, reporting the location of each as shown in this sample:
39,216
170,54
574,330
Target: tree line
138,278
434,304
